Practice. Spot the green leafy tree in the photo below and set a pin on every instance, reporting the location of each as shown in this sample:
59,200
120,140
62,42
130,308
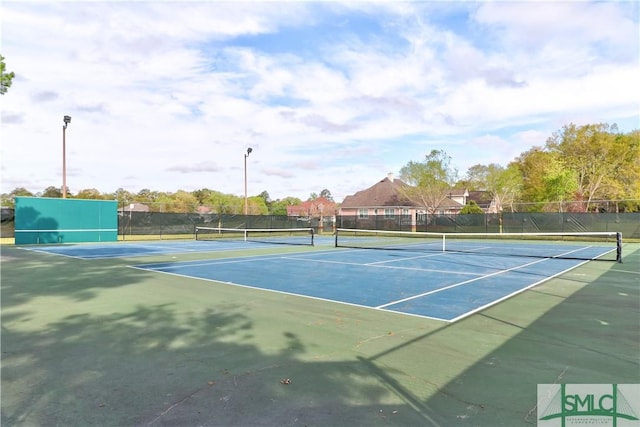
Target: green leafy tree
183,201
257,206
429,182
89,193
502,183
532,165
267,200
560,182
626,184
5,78
596,153
146,196
224,204
279,207
52,192
123,197
8,200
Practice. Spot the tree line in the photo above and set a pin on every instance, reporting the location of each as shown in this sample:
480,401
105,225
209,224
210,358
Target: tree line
180,201
577,166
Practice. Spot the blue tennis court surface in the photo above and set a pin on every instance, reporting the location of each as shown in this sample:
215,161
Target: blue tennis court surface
137,249
437,285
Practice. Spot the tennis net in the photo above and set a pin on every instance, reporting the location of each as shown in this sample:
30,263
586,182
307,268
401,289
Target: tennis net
285,236
576,245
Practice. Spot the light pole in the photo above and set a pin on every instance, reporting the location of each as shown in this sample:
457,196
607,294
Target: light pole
67,120
246,200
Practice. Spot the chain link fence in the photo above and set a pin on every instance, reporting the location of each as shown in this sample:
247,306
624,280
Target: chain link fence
155,221
517,222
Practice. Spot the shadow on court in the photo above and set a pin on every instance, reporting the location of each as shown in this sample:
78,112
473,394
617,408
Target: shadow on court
583,328
98,343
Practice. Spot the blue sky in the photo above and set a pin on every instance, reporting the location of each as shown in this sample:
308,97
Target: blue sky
330,95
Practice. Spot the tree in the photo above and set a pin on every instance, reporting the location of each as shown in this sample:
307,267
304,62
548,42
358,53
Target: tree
627,182
257,206
502,183
224,203
477,177
182,201
560,181
596,153
532,165
89,193
52,192
326,194
279,207
147,196
5,78
312,196
429,182
266,199
9,200
123,197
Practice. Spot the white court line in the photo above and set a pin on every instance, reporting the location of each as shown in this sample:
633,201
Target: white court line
383,266
42,251
290,293
405,258
475,310
455,285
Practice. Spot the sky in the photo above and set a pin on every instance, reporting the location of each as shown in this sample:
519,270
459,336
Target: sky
169,96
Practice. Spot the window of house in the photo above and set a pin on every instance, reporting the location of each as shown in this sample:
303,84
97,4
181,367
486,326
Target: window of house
389,213
363,213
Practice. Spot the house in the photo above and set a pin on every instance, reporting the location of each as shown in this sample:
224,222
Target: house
484,200
462,196
136,207
316,208
385,199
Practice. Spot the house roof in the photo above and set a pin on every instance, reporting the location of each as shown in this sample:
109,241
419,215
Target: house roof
311,207
384,193
136,207
482,198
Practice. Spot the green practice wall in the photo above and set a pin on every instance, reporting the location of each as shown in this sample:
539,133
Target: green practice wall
41,220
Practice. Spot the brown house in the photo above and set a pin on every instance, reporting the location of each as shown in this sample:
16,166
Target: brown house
385,198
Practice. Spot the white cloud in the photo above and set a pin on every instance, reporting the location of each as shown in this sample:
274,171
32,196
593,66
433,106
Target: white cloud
168,96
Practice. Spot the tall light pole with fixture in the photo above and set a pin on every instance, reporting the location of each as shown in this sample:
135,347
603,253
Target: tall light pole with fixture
246,200
67,120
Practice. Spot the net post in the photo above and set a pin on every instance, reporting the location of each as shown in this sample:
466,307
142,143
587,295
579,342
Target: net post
336,238
619,247
312,235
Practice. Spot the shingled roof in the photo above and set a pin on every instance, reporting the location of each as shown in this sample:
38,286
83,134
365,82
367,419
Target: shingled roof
384,193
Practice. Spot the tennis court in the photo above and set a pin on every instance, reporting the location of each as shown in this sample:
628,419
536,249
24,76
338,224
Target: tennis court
208,332
136,249
439,285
